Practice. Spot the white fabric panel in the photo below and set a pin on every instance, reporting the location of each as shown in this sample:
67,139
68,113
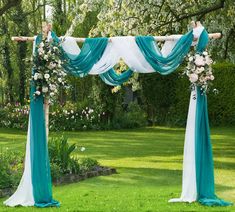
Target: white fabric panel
167,47
130,53
69,44
189,188
24,193
108,60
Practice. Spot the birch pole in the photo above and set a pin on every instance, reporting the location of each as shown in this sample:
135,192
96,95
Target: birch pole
46,27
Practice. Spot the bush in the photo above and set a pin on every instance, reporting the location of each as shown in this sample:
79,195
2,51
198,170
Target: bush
11,169
62,160
60,154
167,97
88,164
131,117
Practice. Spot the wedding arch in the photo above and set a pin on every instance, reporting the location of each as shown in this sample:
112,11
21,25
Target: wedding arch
98,56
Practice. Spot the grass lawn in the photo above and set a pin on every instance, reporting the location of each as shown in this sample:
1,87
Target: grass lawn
149,165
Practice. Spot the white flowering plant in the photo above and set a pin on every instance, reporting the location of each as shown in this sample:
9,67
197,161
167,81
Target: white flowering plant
199,70
48,71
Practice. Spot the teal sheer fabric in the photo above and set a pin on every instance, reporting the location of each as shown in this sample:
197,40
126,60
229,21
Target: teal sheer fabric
161,64
112,78
91,52
204,157
40,165
203,148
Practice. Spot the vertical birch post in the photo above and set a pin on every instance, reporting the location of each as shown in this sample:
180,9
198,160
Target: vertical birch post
46,27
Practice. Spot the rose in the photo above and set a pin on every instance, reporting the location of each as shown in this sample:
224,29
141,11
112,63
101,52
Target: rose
199,60
193,78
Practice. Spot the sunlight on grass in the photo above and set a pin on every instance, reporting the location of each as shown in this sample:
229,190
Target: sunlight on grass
149,165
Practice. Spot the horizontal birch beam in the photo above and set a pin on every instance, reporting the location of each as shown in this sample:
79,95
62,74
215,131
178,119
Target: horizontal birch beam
157,38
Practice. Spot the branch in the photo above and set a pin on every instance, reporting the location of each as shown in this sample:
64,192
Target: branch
199,13
9,5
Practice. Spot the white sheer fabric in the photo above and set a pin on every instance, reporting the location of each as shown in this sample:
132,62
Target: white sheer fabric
24,193
189,189
119,48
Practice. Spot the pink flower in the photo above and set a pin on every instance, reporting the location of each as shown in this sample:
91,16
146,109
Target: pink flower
193,78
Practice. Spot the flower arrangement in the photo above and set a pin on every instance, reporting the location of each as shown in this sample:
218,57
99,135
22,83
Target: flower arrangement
48,71
199,70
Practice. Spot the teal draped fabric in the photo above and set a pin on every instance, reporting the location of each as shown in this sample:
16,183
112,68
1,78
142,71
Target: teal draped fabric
203,148
161,64
204,157
40,165
91,52
112,78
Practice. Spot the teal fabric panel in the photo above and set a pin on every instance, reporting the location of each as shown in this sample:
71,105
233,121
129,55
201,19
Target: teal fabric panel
91,52
161,64
40,165
204,156
112,78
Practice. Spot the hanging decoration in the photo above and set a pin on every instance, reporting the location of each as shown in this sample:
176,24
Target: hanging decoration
48,73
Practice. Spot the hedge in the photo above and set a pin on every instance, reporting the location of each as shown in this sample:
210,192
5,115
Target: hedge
166,98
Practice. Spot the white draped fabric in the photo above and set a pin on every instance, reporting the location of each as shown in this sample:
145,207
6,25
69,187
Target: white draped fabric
24,193
189,190
119,48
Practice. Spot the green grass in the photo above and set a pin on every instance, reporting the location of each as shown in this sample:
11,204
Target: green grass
149,165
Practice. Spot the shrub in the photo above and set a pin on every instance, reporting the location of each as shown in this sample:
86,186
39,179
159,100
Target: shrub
88,164
131,117
11,168
60,154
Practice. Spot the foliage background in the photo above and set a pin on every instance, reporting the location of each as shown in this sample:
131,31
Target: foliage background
161,100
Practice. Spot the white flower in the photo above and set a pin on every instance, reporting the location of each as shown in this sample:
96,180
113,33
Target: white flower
52,94
44,89
35,76
83,148
212,77
46,76
38,93
60,79
45,57
199,70
41,44
193,78
52,65
52,87
208,60
205,53
190,58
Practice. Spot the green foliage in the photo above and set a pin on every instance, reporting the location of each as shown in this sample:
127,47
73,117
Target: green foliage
11,166
167,97
88,164
60,153
131,117
14,116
